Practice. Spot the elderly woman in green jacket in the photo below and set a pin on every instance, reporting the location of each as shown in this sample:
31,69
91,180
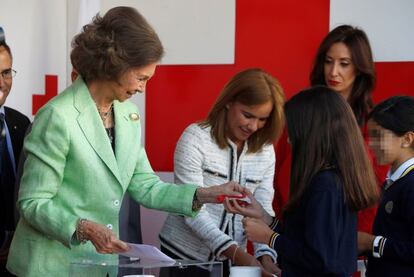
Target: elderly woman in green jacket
84,153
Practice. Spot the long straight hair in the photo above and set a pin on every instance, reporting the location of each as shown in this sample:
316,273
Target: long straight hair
323,132
358,44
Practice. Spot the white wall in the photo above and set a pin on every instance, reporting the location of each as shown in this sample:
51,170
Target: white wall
389,25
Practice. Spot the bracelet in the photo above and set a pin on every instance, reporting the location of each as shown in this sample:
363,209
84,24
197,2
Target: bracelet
234,255
80,231
196,203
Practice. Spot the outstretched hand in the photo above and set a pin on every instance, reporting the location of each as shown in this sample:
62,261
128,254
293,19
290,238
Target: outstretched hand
253,209
210,194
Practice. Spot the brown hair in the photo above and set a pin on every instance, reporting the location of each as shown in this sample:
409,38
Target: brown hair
7,48
249,87
111,45
357,42
323,133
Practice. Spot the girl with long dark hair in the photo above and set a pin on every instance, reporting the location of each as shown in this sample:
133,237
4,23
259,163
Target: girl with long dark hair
331,179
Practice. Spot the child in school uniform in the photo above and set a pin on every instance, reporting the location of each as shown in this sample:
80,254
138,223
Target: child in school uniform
331,180
391,247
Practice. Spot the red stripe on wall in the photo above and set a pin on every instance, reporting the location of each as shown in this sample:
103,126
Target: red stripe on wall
51,90
278,36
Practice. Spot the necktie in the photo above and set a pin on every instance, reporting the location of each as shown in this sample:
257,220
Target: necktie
2,140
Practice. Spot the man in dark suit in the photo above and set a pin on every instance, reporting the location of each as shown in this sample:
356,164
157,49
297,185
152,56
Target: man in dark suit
13,125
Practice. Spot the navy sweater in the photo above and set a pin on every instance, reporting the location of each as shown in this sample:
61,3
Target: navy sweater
320,236
395,222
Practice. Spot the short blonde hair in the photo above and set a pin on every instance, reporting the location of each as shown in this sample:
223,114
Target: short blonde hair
249,87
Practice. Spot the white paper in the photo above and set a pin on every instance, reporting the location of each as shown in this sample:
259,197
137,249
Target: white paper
144,251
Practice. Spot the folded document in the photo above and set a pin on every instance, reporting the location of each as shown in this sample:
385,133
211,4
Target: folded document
148,252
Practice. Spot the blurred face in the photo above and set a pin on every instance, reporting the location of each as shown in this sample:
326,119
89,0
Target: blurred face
5,69
339,69
243,121
385,144
133,81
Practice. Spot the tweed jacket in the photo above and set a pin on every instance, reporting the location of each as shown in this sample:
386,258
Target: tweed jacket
72,172
198,159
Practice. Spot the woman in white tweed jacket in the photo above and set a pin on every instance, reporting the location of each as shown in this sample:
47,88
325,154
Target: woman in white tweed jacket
233,143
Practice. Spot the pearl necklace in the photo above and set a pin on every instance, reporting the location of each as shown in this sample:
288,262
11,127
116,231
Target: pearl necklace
104,116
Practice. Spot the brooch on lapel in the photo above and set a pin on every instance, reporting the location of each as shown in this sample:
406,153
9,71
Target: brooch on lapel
134,116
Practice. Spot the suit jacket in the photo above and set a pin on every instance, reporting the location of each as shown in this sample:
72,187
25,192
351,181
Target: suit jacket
71,172
17,124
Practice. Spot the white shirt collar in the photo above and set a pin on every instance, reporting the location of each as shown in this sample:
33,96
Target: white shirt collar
2,109
400,170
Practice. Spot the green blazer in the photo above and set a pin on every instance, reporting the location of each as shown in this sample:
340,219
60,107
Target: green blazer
71,172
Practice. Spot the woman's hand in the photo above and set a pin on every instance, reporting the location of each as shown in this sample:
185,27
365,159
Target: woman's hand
269,266
103,238
257,230
254,209
210,194
245,259
240,257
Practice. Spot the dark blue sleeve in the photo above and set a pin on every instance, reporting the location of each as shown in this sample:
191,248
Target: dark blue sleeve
276,226
403,250
321,234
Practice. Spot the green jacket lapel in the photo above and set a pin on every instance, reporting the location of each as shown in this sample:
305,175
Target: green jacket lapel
92,127
126,137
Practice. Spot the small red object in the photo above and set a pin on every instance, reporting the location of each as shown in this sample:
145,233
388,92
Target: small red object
221,197
242,203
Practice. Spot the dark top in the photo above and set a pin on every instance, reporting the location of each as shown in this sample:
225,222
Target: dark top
17,124
395,222
320,236
282,172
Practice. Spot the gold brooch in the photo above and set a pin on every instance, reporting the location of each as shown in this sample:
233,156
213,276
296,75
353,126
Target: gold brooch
134,116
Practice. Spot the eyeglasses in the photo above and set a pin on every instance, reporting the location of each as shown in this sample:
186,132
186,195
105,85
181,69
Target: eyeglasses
8,73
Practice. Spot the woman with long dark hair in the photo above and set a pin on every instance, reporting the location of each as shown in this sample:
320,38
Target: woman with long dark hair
345,64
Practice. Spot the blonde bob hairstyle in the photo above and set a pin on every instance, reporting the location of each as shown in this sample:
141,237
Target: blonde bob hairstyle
249,87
